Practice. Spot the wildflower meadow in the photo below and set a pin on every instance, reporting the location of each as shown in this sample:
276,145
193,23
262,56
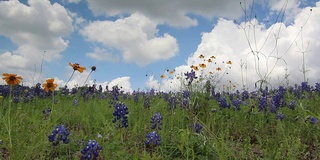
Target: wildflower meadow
203,120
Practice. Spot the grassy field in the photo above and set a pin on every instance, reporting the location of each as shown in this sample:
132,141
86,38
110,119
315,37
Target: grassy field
269,124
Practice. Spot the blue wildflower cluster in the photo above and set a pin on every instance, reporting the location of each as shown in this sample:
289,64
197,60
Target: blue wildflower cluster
60,133
153,139
236,103
197,127
91,150
120,113
191,76
156,121
223,103
280,116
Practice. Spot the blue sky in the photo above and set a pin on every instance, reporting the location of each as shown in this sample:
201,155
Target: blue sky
132,43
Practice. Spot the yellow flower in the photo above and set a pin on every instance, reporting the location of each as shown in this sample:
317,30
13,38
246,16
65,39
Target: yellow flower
172,71
209,60
210,72
213,57
11,79
229,62
162,76
196,68
202,65
201,56
218,69
77,67
49,85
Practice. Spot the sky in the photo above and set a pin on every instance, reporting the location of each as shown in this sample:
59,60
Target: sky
145,44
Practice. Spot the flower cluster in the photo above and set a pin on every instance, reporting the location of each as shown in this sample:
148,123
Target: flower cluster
60,133
156,121
153,138
91,150
190,76
120,113
197,127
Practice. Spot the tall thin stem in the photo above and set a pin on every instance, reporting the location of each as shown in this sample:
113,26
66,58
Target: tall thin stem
87,78
70,78
9,119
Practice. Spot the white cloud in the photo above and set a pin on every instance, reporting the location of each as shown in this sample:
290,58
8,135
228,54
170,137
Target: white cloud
169,12
37,27
227,41
122,82
74,1
103,55
135,37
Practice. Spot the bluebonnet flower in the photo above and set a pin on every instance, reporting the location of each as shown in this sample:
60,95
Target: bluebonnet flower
245,95
236,103
313,120
223,103
186,94
190,76
146,102
184,103
156,121
305,86
197,127
263,104
115,93
15,99
280,116
91,150
120,113
153,138
135,97
292,104
60,133
317,89
172,102
75,102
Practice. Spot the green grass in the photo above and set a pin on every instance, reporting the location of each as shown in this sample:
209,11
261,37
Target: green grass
226,133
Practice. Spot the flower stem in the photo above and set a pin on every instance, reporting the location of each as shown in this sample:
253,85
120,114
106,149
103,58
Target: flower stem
9,119
87,78
70,78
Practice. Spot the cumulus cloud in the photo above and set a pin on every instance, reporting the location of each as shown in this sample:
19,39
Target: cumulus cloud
277,51
37,27
103,55
135,37
175,13
122,82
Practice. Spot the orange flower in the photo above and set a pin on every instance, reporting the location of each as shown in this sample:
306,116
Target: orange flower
213,57
201,56
202,65
229,62
77,67
11,79
49,85
218,69
209,60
